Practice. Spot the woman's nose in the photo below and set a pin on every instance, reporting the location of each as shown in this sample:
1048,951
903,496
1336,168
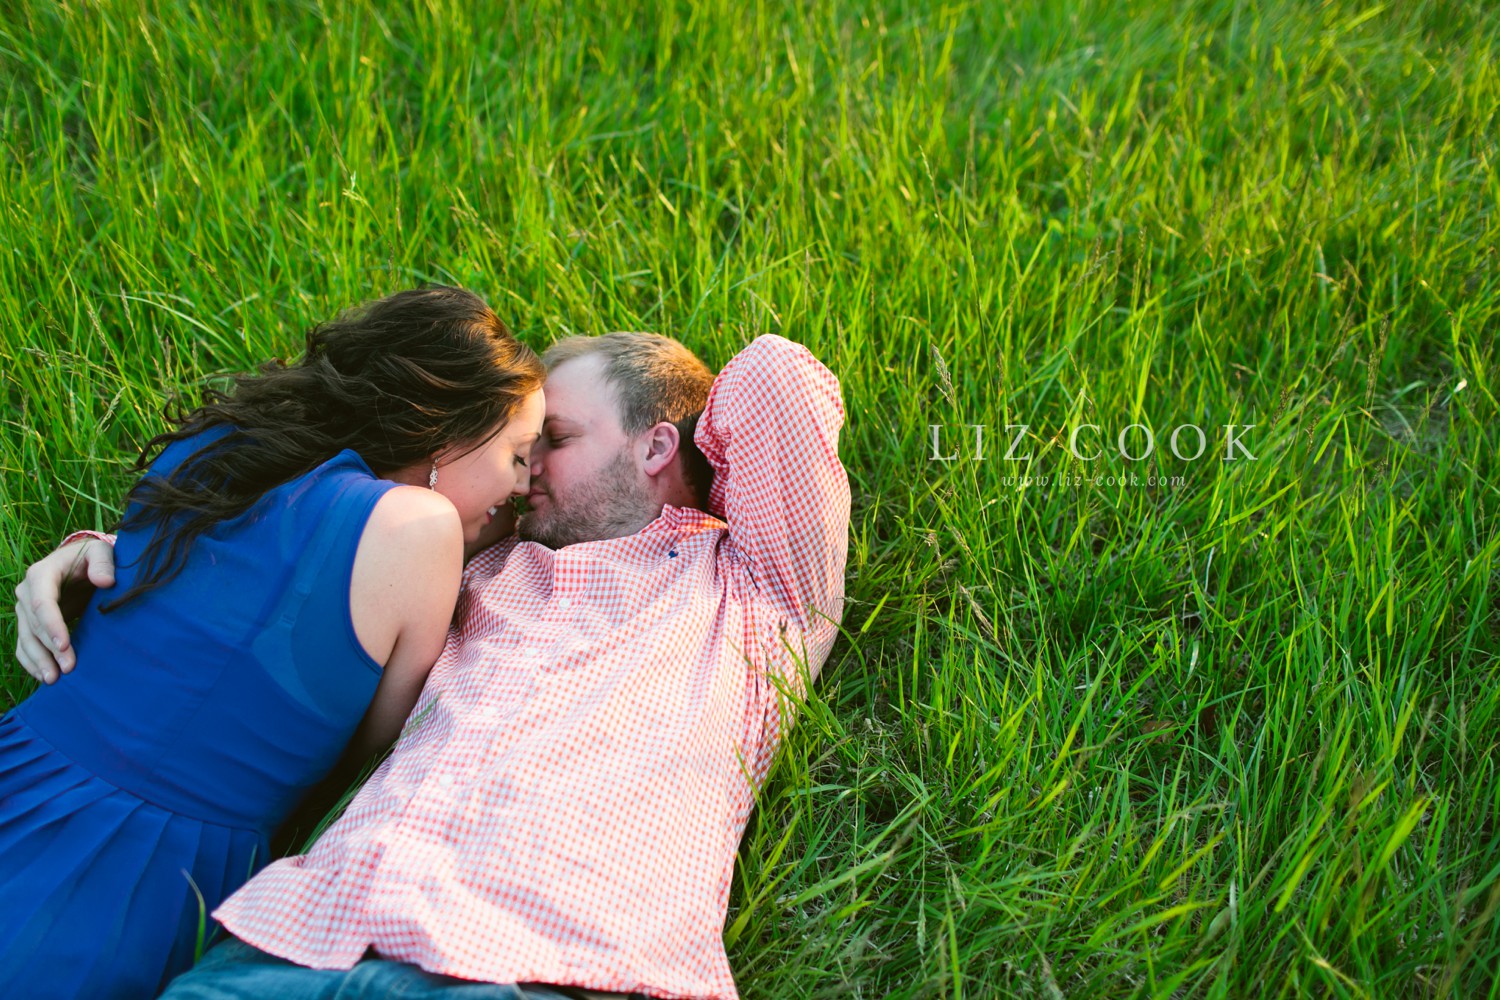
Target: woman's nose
523,483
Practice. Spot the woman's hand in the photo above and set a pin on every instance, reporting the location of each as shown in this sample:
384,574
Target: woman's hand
58,587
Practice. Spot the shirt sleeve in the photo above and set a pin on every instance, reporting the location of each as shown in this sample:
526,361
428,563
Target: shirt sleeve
771,431
87,534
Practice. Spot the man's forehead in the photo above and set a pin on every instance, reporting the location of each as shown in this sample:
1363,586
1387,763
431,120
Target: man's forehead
578,392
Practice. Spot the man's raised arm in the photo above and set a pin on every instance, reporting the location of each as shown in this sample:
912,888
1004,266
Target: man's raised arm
771,431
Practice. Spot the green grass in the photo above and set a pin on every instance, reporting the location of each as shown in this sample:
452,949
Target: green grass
1234,737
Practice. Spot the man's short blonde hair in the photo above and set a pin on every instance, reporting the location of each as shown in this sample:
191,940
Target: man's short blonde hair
656,380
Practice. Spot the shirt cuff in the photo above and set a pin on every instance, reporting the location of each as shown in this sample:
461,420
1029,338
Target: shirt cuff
87,534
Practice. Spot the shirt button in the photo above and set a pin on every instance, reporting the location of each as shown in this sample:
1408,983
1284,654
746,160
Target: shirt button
565,602
489,713
445,780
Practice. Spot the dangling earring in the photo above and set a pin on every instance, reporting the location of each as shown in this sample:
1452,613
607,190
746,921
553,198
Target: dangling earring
432,477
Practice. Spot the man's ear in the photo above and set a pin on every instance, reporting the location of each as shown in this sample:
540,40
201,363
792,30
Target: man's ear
661,444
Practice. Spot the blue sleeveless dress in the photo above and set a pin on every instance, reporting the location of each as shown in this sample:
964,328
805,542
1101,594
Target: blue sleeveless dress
197,716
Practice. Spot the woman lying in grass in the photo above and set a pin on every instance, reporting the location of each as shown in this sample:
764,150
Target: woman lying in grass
287,572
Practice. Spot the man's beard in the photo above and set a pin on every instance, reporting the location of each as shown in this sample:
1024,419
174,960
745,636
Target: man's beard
613,504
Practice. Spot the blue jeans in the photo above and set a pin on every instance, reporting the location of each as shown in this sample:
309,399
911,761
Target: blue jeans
234,970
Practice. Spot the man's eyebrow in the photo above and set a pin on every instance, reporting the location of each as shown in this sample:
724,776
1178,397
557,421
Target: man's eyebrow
557,420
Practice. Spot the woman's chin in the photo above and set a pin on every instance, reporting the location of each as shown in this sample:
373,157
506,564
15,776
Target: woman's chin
490,529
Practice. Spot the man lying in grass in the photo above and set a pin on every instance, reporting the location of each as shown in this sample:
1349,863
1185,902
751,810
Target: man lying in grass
565,804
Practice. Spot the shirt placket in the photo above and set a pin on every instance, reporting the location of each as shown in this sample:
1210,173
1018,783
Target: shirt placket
453,782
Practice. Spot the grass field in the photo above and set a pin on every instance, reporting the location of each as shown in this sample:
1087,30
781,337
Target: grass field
1230,736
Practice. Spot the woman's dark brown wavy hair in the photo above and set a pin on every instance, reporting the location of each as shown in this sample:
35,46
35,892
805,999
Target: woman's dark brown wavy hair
399,380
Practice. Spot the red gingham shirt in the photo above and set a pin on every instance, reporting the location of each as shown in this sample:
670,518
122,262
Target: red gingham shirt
565,803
